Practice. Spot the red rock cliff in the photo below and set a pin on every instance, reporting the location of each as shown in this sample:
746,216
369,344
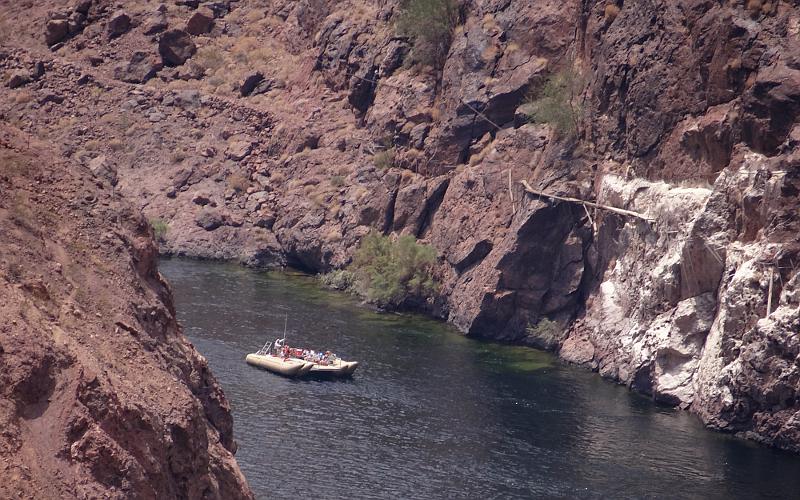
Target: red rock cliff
281,133
102,395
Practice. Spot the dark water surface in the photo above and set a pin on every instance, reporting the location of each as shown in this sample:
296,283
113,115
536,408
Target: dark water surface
430,414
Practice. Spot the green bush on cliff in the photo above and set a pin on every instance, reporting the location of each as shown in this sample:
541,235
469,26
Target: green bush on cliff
545,330
390,272
160,228
429,24
557,101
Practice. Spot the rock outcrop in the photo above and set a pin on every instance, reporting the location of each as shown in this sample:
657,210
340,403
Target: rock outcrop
102,395
176,47
307,126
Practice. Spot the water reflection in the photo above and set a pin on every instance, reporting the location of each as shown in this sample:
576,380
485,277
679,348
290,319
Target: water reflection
430,414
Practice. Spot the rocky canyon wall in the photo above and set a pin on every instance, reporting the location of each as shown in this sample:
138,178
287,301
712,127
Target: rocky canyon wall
281,132
102,395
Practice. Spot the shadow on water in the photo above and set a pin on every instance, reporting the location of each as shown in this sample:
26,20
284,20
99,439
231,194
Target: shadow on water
431,414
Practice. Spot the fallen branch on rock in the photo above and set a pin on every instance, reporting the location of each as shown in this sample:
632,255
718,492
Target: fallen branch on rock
585,203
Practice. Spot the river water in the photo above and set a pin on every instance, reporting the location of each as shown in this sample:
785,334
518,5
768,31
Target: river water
431,414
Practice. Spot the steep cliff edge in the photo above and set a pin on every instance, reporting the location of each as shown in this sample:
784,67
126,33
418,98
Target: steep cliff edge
102,396
282,132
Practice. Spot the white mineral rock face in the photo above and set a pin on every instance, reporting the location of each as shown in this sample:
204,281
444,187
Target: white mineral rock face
681,311
651,332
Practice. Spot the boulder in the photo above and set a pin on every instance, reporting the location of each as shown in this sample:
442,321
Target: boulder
51,97
395,52
201,198
155,24
200,22
38,70
94,59
139,69
186,99
416,137
118,24
176,47
102,168
76,22
83,6
190,71
18,79
238,150
771,108
408,205
219,8
265,220
209,219
250,83
362,88
56,30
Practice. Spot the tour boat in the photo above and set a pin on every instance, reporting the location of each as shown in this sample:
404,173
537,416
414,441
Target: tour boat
269,358
294,362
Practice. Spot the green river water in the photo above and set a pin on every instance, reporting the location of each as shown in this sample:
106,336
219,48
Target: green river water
431,414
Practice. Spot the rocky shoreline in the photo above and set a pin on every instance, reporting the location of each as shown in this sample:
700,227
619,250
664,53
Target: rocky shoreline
282,134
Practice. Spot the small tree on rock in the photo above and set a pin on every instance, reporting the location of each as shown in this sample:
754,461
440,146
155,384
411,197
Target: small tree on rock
557,102
429,24
390,272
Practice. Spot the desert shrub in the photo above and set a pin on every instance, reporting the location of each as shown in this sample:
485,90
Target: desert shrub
254,16
249,50
23,97
215,81
209,58
15,272
6,31
557,101
760,7
610,12
238,182
339,279
384,159
160,228
21,213
544,329
277,177
390,272
337,181
319,199
116,145
125,122
429,24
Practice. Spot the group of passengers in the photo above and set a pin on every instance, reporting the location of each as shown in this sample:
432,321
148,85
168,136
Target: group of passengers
322,358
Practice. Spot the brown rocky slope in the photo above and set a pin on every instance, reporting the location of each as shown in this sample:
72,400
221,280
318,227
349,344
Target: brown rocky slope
254,131
102,396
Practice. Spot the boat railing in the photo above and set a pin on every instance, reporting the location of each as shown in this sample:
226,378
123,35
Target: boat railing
265,350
